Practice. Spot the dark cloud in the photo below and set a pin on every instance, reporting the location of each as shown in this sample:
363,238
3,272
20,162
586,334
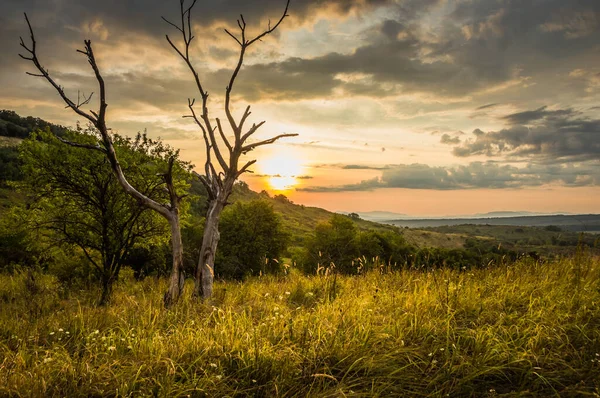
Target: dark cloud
145,15
447,139
486,106
480,44
472,176
527,117
485,45
362,167
554,135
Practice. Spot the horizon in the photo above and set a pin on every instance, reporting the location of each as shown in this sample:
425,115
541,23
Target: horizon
432,109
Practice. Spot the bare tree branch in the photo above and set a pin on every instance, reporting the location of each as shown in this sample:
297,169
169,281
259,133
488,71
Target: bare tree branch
248,148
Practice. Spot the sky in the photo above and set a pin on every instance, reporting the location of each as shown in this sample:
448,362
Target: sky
420,107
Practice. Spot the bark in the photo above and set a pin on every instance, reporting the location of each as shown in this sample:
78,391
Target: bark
177,279
107,285
206,264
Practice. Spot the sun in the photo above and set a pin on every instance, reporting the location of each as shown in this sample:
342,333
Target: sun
282,170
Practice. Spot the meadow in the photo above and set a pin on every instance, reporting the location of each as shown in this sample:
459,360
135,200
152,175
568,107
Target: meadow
518,329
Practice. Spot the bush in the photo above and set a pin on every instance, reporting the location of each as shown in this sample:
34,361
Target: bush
252,240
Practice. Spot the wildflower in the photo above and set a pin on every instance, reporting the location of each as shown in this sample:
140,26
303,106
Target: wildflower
129,347
96,331
60,329
67,332
442,349
253,381
112,348
51,333
430,354
287,293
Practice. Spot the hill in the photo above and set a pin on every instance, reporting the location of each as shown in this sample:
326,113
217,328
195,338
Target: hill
299,220
13,125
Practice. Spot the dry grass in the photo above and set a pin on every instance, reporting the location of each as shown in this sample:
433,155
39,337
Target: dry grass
523,329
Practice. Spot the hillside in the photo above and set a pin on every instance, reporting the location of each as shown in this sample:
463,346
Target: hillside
300,220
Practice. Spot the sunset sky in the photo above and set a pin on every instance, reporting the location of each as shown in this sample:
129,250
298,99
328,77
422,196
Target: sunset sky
422,107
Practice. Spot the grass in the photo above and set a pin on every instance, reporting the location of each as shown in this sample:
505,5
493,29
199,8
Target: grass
522,329
9,141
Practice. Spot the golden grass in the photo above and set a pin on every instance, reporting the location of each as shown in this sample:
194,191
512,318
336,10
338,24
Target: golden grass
522,329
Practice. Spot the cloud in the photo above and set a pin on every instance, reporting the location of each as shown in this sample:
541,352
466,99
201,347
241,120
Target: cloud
446,139
573,23
486,106
527,117
362,167
472,176
555,135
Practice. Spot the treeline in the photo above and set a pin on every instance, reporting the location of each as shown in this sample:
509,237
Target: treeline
13,125
340,246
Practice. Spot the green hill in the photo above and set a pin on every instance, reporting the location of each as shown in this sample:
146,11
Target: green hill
298,219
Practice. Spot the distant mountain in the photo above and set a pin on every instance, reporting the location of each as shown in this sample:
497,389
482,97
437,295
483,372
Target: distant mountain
385,216
575,223
501,214
378,216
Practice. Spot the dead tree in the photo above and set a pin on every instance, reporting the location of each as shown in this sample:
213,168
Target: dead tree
219,177
169,211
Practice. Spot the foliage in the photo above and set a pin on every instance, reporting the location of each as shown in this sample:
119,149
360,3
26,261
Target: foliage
521,329
78,201
340,242
9,165
252,240
19,246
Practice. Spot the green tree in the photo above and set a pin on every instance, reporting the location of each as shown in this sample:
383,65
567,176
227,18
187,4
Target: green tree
252,240
9,165
334,242
78,200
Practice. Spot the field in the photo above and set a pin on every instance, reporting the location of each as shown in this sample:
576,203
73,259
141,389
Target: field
522,329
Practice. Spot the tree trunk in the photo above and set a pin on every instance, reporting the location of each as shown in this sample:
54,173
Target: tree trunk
107,284
206,264
177,279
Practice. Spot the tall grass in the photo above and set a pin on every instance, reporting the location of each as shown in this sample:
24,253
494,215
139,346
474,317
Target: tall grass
523,329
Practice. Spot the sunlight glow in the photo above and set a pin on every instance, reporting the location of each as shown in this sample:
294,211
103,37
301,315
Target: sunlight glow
282,170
